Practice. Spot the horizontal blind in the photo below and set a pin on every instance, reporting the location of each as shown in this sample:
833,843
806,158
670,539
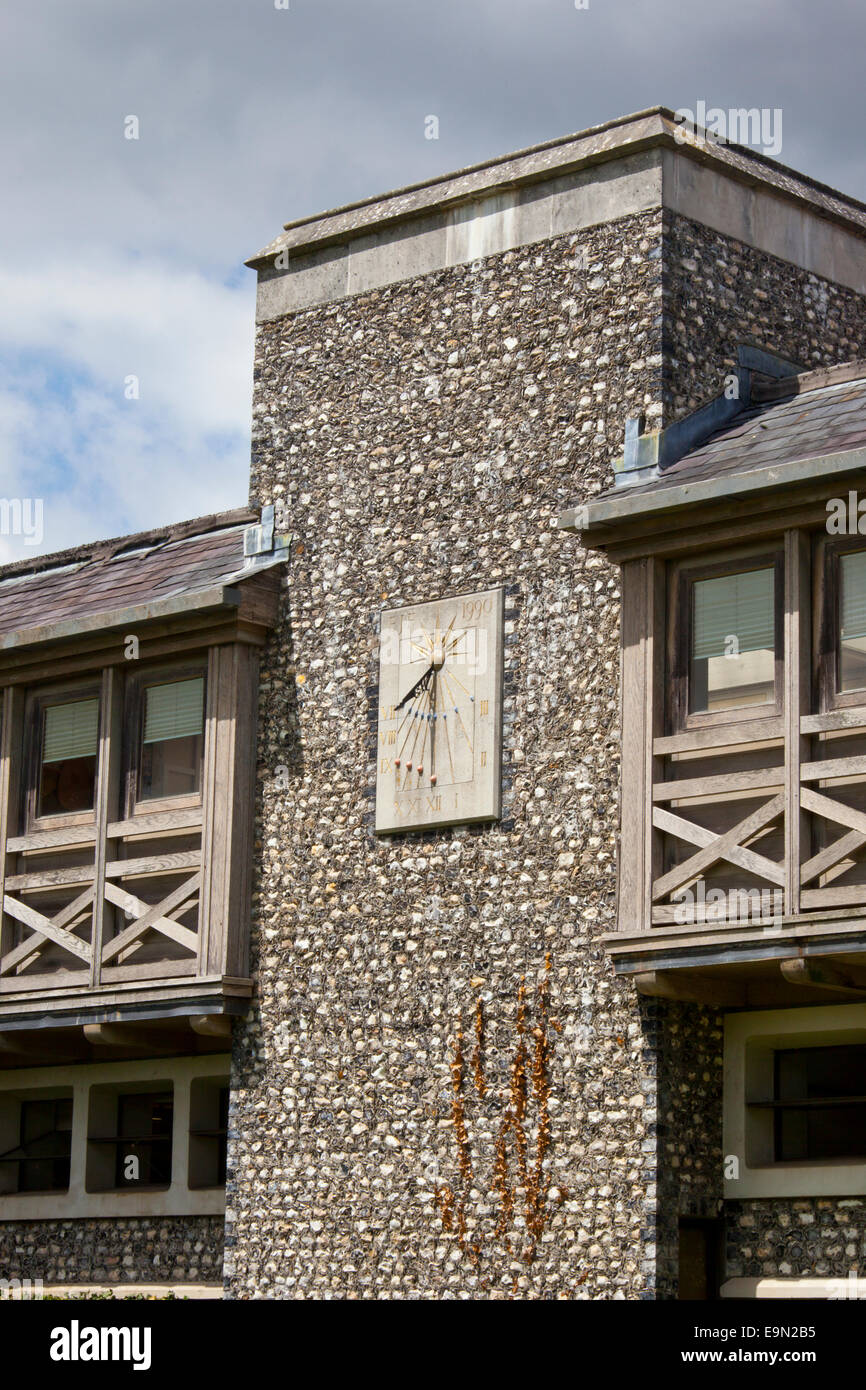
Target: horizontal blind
174,710
734,605
853,586
70,731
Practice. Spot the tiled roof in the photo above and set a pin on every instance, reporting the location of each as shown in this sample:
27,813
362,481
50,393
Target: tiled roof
815,420
187,558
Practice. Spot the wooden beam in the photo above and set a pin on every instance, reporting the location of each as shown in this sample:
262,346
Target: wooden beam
107,792
73,837
127,1035
642,658
818,972
693,834
764,779
10,785
119,868
151,917
796,679
152,824
832,767
829,809
851,896
212,1025
834,721
44,925
831,855
675,984
227,797
28,951
721,847
718,737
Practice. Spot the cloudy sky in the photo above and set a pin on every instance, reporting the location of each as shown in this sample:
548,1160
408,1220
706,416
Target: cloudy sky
123,258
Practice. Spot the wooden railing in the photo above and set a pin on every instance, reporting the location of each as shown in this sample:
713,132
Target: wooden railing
795,824
124,913
89,909
756,817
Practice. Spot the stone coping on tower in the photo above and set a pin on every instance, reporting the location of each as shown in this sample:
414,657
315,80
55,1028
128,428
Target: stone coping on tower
634,164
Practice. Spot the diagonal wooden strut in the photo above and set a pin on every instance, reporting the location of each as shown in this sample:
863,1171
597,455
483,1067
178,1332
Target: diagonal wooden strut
46,927
728,846
30,950
151,917
832,855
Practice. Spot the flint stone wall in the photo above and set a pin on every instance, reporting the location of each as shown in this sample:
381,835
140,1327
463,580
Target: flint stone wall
422,439
122,1251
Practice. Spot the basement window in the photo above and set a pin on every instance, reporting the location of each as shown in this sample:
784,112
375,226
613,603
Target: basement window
38,1160
795,1102
209,1113
819,1104
130,1139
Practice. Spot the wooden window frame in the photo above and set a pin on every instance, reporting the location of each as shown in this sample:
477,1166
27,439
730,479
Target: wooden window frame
36,701
133,728
829,550
683,575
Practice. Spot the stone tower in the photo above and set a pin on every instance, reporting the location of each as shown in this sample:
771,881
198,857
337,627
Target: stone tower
442,1089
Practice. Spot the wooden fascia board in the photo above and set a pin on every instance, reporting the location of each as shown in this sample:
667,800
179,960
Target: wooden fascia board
768,512
136,615
605,521
244,610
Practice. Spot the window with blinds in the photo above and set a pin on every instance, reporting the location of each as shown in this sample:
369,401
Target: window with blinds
733,645
70,735
172,738
852,620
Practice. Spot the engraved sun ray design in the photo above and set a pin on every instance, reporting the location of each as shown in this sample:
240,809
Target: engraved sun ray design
418,721
425,726
453,698
448,743
456,678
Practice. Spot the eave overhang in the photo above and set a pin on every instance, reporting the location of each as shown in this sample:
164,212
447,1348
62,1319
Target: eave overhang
603,522
221,598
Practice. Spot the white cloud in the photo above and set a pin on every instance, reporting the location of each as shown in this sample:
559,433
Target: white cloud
103,463
116,252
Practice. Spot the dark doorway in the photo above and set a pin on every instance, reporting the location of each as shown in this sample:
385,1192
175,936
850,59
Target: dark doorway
701,1260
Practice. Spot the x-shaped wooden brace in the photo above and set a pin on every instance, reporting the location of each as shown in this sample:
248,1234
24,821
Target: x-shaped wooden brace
52,930
831,859
153,917
728,846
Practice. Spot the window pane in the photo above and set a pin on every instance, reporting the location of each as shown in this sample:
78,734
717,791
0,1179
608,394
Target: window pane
820,1091
171,752
173,710
852,621
46,1145
144,1125
733,641
69,742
